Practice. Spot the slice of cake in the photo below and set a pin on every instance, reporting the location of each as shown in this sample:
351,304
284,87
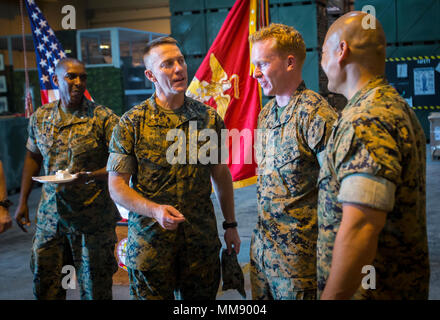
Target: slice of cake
62,174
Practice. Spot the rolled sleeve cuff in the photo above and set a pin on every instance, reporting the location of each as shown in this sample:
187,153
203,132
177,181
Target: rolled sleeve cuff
121,163
32,147
368,190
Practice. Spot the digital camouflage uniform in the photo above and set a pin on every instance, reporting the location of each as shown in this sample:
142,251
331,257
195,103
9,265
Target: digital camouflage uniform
75,223
283,248
376,157
185,261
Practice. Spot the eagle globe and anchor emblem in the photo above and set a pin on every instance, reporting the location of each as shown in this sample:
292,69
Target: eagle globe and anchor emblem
203,91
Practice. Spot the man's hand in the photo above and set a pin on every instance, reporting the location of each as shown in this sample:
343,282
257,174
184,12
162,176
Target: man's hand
22,216
168,217
5,219
83,177
222,182
232,240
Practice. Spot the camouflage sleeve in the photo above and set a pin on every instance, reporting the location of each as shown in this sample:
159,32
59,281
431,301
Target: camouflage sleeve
367,163
264,111
31,143
122,158
109,124
319,127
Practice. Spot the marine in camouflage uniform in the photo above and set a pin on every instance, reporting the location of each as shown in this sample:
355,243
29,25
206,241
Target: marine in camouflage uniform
378,145
173,245
164,264
75,221
283,247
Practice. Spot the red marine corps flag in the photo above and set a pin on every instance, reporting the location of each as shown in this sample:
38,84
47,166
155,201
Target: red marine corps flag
224,81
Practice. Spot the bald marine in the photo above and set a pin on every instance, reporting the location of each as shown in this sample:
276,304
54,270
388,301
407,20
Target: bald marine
352,50
372,187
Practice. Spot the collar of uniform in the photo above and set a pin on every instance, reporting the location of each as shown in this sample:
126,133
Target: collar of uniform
288,110
159,118
373,83
80,115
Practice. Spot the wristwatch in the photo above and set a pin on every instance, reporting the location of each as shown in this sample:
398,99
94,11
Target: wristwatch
229,225
6,203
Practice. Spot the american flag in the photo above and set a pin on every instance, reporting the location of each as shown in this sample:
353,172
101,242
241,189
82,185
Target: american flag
48,51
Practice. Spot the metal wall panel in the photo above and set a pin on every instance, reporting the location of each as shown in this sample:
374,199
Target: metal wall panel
292,1
274,13
385,13
193,64
418,20
310,71
214,22
187,5
190,31
301,17
392,51
219,4
413,51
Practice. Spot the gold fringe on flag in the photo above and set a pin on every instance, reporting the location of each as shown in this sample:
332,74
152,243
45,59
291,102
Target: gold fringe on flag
258,18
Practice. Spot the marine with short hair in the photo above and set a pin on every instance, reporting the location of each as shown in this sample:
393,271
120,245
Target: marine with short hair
372,188
76,220
296,125
173,245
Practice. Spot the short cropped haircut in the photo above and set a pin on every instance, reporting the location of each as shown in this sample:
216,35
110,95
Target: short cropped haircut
287,40
62,64
157,42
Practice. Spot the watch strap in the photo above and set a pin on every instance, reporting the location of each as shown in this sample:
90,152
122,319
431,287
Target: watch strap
227,225
6,203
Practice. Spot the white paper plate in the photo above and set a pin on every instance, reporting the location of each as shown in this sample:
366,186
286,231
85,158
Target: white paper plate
53,179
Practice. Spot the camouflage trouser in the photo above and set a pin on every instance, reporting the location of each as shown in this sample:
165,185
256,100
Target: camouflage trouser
176,280
265,286
92,257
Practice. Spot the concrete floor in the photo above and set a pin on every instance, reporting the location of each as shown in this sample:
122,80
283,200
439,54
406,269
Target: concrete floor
16,279
15,246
